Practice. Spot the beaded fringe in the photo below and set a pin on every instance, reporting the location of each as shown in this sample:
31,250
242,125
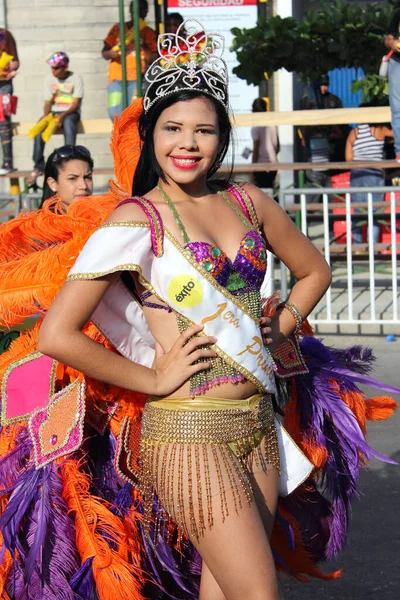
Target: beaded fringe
219,373
178,473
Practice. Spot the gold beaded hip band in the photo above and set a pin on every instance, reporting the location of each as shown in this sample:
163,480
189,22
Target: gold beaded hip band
191,450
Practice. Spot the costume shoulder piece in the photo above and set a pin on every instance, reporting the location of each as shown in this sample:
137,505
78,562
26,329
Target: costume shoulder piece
121,245
245,202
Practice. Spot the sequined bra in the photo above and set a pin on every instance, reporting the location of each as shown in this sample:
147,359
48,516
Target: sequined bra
242,277
245,272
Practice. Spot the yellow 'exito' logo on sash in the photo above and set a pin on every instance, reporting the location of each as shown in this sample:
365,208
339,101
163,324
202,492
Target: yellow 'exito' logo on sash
185,291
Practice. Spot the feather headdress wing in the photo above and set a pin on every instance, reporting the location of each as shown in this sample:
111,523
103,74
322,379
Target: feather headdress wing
38,249
125,148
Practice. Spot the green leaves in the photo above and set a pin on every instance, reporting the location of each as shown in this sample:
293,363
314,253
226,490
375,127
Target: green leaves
338,35
373,87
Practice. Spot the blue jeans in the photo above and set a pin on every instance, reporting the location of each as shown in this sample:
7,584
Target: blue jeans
114,90
366,178
6,87
394,100
70,129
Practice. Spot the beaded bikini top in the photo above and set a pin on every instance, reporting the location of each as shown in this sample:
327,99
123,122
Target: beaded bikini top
247,270
242,277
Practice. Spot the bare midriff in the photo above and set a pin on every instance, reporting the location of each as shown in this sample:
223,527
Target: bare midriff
164,329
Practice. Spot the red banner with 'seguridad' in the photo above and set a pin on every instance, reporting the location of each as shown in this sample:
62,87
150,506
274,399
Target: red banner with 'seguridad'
209,3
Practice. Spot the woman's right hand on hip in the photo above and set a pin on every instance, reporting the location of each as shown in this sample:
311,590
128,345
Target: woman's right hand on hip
176,366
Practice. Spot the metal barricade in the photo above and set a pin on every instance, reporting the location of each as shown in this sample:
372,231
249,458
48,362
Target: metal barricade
364,288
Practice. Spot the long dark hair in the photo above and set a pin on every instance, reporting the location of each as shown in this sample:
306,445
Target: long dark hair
56,161
148,171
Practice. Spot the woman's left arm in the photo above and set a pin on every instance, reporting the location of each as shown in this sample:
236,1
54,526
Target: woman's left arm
305,262
351,138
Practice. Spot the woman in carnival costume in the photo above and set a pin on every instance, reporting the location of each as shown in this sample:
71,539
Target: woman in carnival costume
162,318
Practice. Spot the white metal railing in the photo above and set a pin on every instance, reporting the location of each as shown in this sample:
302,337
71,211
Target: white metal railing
365,287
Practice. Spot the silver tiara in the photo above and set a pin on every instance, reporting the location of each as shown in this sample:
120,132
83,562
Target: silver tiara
190,59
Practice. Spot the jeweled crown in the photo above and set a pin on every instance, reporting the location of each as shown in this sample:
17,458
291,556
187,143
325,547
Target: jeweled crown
190,59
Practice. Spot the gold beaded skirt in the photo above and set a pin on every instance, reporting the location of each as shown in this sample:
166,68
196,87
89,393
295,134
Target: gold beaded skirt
197,454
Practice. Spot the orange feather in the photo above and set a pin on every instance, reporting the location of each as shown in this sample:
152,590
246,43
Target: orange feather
38,250
19,348
116,565
380,408
299,561
125,148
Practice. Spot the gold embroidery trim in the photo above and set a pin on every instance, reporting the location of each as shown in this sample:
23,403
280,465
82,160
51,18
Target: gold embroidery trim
124,224
78,387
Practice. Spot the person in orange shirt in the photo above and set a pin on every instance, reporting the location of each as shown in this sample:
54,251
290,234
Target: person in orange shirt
9,54
112,52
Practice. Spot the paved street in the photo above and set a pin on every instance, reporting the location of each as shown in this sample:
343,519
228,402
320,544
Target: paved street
372,558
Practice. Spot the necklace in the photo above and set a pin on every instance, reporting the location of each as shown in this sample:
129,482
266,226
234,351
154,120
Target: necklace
175,214
178,220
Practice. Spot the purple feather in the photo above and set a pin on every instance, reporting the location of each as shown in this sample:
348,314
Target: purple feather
124,502
279,560
15,584
100,461
309,507
13,463
357,358
18,508
363,379
326,419
83,583
287,528
39,522
52,557
175,575
196,563
175,572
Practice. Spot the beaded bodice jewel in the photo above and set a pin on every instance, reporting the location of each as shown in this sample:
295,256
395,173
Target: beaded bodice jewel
242,277
188,60
244,273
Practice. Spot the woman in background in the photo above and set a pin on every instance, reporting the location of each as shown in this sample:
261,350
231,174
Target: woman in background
68,174
366,142
265,148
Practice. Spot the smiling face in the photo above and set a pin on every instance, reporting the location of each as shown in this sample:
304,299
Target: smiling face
187,141
74,181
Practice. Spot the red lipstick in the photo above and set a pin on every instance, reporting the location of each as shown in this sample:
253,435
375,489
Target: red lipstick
185,162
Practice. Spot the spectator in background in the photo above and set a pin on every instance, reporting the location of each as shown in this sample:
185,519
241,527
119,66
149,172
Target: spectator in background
63,93
174,20
337,134
316,141
328,100
9,64
68,175
391,42
265,147
112,52
366,142
324,143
